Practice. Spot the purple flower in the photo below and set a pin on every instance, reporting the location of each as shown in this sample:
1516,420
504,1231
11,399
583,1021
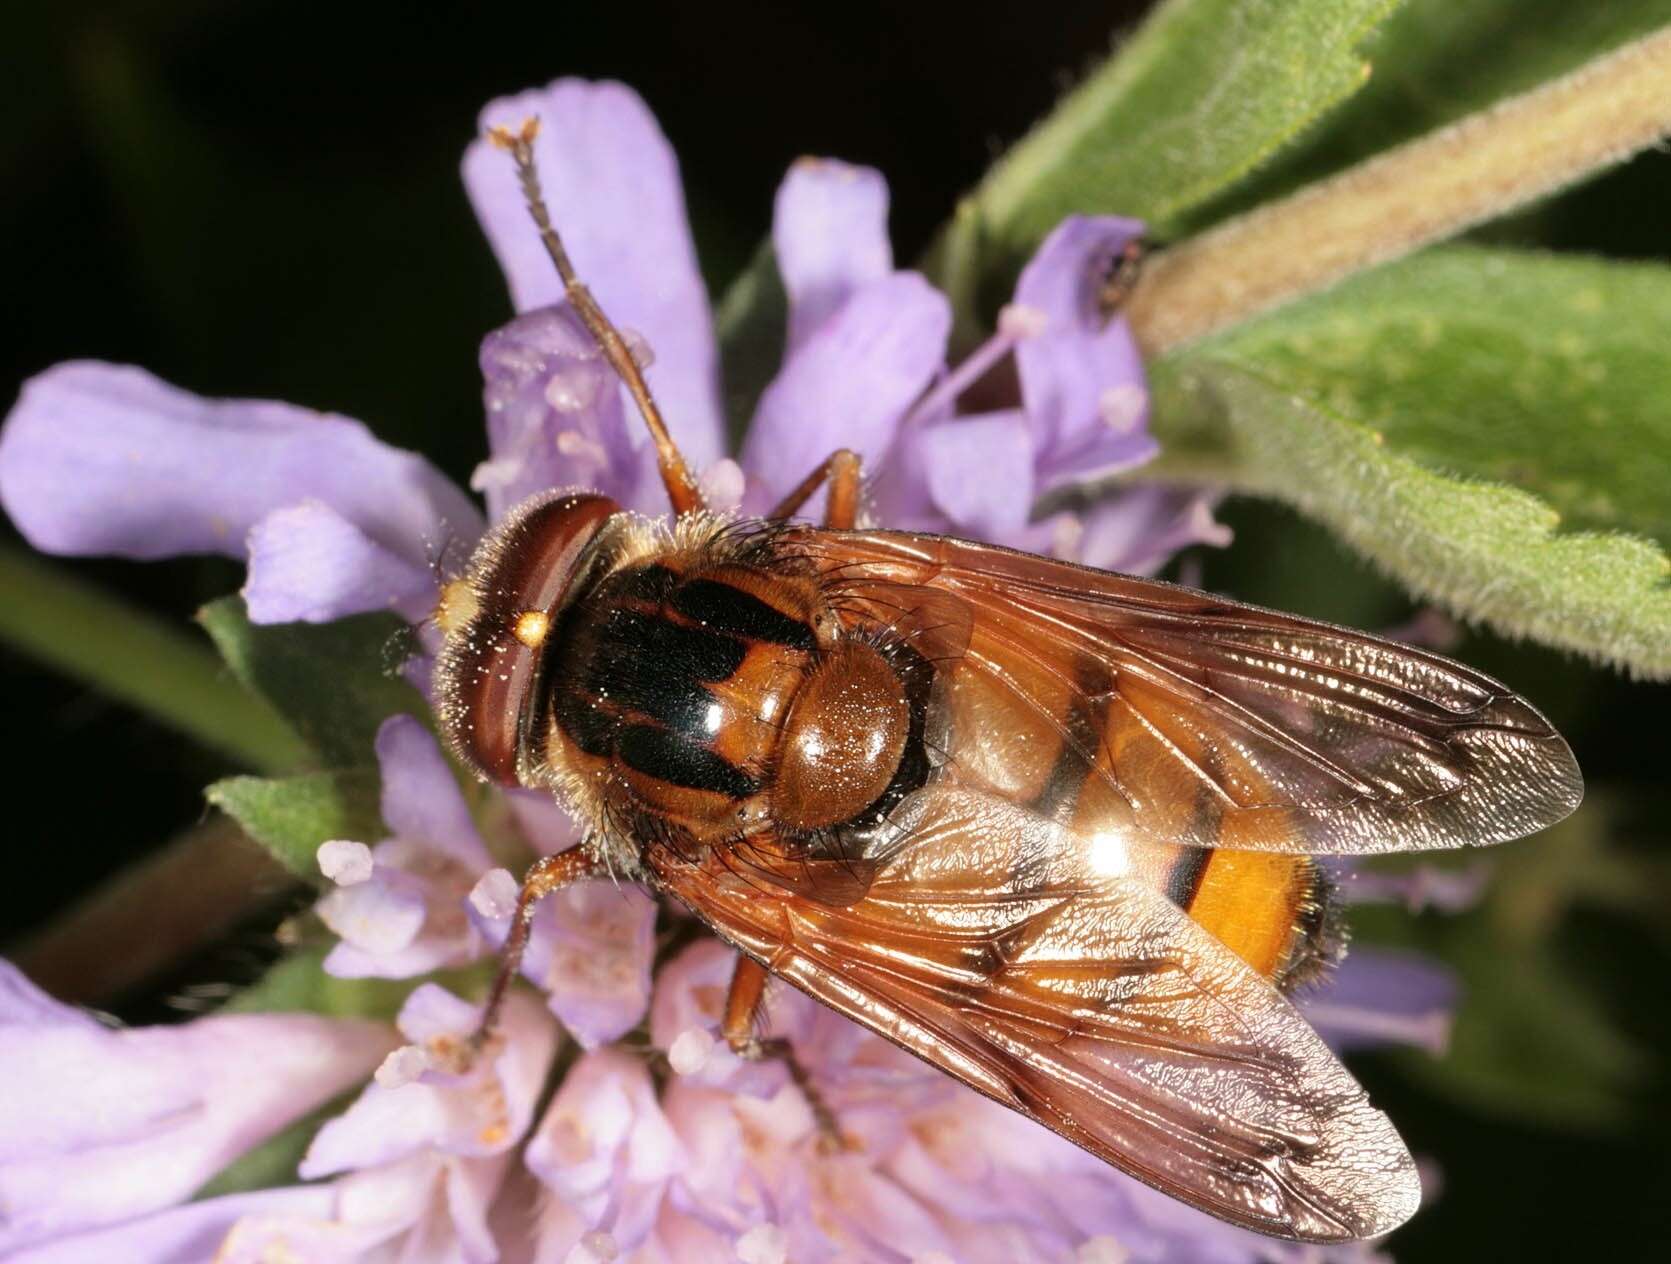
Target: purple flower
731,1157
430,898
101,1124
726,1162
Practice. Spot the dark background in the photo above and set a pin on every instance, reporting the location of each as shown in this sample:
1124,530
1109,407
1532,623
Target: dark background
262,200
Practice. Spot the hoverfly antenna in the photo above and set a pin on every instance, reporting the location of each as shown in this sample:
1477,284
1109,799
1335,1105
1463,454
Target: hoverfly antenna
682,488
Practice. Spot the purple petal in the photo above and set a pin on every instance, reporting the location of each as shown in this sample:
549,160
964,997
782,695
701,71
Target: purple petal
555,414
1449,889
830,236
194,1231
481,1113
612,183
100,458
378,917
980,472
593,954
1138,530
421,798
308,563
1081,382
23,1005
1380,996
849,384
605,1151
546,824
590,951
690,996
100,1125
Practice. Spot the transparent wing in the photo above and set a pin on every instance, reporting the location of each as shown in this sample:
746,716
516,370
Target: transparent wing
1097,698
986,946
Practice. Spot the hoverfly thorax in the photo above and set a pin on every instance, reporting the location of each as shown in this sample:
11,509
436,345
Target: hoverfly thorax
691,683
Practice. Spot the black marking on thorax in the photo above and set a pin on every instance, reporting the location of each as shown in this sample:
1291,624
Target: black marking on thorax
632,666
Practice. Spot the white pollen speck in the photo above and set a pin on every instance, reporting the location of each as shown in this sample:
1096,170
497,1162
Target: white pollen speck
763,1244
1102,1250
495,894
722,485
643,355
499,472
1121,407
1020,321
1065,537
402,1066
344,863
689,1051
572,443
595,1248
569,392
933,1257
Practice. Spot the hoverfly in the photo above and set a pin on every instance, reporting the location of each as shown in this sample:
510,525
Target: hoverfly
1047,827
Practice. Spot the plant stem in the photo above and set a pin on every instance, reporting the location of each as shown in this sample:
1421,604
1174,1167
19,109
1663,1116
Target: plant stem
1423,191
139,659
152,915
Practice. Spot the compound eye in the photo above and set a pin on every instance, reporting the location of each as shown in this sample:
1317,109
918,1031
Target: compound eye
488,671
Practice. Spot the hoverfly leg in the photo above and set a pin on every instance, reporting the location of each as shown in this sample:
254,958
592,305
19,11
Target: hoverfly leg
841,470
546,875
683,492
742,1013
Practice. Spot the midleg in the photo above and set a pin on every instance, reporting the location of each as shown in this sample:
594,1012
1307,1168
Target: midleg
741,1028
841,469
548,874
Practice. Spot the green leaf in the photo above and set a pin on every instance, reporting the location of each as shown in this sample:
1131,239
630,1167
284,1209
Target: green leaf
292,816
335,682
1530,1038
1435,61
1205,91
145,662
1393,408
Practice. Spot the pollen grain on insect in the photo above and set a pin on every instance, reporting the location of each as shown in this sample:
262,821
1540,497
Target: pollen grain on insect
531,627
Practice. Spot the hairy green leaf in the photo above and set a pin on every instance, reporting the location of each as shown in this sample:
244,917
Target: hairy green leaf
1382,407
1204,92
1436,60
292,816
335,682
1546,372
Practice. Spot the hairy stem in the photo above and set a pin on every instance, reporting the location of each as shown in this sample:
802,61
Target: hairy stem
140,660
1420,192
153,915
